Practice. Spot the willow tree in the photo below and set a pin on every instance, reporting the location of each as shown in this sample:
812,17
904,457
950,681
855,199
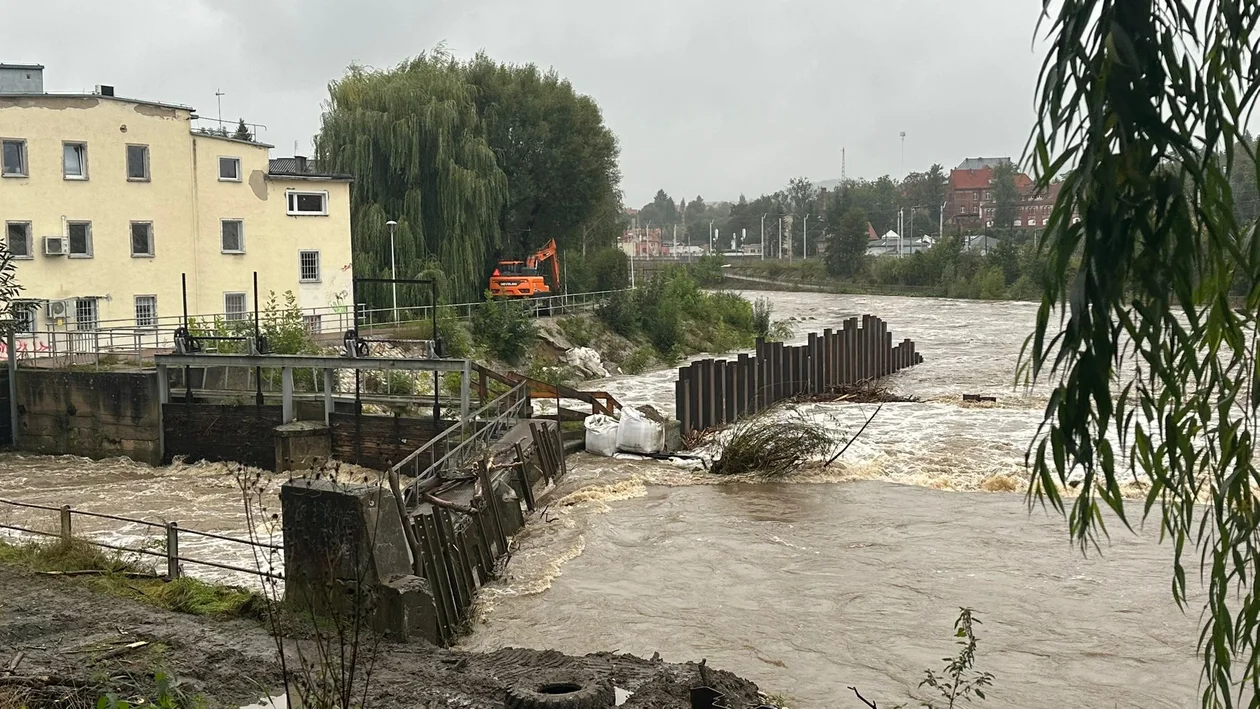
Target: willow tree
1145,103
412,138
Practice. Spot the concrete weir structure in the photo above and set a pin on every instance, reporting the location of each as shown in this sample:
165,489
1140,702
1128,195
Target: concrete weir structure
413,566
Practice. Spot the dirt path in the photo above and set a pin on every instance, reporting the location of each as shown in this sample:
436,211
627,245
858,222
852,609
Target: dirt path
70,638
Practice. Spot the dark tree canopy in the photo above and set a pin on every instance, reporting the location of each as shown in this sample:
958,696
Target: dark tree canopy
846,249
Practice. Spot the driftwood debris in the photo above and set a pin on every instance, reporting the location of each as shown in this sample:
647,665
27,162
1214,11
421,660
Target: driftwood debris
980,398
773,446
116,652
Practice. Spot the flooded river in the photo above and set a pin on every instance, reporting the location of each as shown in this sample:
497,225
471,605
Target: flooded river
850,576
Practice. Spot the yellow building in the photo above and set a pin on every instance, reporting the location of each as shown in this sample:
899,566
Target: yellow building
108,202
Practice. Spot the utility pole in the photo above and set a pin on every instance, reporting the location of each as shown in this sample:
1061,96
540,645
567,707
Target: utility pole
780,255
843,177
393,270
941,234
218,97
712,238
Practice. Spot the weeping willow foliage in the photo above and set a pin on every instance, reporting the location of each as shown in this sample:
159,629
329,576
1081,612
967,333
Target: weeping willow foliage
475,161
412,139
1144,102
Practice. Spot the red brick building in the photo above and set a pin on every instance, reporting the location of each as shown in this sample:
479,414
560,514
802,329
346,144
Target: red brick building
969,197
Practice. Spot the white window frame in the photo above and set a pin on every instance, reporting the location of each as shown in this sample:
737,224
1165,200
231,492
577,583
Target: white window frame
70,244
131,239
318,268
30,239
95,320
235,317
22,154
240,236
290,202
153,315
148,174
25,325
238,168
83,160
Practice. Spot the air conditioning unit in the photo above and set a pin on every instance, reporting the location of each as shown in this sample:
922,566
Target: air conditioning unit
55,246
57,309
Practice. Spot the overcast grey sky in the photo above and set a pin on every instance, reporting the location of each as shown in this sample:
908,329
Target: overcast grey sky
708,97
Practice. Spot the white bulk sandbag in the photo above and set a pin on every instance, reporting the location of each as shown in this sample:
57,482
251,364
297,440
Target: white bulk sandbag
601,435
639,434
586,361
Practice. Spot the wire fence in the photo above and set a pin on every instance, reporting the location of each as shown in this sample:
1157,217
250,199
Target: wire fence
168,538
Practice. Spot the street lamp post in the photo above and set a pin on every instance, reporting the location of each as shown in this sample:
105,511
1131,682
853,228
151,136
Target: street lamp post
805,240
763,235
393,266
712,240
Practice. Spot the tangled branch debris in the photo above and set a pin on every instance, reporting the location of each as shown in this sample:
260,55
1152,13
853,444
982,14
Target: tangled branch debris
773,445
865,392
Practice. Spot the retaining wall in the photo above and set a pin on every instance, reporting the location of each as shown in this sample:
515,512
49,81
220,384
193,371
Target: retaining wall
92,414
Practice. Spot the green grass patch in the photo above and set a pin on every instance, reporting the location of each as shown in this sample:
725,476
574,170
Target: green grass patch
125,577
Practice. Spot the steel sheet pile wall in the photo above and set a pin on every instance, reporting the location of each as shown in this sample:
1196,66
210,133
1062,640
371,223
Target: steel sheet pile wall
711,393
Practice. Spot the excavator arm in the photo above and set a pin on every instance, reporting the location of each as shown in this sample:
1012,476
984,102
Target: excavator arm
548,254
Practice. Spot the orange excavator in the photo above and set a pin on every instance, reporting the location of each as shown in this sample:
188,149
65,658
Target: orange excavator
528,279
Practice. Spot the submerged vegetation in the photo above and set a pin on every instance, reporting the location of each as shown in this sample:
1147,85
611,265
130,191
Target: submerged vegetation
774,444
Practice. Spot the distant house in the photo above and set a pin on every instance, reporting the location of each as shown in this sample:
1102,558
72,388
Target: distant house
891,244
979,243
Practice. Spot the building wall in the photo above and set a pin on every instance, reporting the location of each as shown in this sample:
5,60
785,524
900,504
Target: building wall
273,238
183,199
106,198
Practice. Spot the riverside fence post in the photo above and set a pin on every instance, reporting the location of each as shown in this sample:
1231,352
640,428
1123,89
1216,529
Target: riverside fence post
172,550
732,396
67,532
829,350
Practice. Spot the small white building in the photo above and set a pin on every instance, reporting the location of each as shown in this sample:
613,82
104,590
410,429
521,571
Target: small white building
893,244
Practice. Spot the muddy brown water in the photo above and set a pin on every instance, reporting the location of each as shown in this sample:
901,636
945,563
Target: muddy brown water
850,576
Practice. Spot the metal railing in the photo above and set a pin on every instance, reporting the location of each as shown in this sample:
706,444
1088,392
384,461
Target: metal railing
121,339
461,439
171,542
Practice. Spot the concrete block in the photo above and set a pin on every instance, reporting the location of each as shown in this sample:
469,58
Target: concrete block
673,436
302,445
338,533
405,608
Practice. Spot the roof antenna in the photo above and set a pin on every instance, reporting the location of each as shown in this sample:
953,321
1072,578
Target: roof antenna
218,96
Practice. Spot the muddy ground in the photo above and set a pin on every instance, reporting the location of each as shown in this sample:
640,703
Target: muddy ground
70,645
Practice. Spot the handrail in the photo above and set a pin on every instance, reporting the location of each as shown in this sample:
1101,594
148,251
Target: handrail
449,431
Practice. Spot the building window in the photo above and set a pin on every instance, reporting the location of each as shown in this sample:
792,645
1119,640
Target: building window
235,306
85,314
308,203
14,163
80,234
229,169
138,163
308,262
233,236
146,311
24,315
142,238
1045,222
18,235
74,161
314,324
1019,222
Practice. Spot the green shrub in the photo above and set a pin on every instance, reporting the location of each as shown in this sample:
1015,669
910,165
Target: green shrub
638,361
762,312
576,330
504,327
621,314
